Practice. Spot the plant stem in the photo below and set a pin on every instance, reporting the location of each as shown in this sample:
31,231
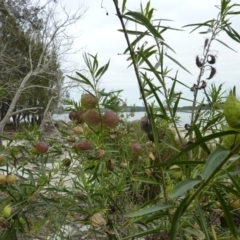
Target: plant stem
133,58
166,95
214,32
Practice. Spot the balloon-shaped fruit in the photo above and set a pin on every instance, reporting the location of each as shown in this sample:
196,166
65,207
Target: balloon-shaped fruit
232,111
110,119
176,171
92,118
230,141
88,101
7,210
41,147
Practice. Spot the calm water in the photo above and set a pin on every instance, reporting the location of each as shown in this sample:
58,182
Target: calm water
184,117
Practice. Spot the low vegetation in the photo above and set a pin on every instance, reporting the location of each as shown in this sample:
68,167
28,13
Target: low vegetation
105,177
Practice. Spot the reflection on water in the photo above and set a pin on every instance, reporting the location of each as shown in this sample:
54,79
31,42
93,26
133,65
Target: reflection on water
184,117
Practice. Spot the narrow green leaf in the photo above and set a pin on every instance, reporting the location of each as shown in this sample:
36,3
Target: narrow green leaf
170,146
150,13
235,183
142,234
224,44
223,6
178,81
130,19
184,186
124,6
153,125
76,79
173,87
147,7
177,163
176,105
234,173
233,13
148,210
145,180
214,160
144,21
179,64
152,87
102,70
203,223
155,216
131,32
199,136
88,82
235,33
177,215
198,25
227,214
232,36
211,122
205,139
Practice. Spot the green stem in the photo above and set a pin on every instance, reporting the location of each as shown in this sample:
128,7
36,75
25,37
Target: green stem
132,57
166,95
193,112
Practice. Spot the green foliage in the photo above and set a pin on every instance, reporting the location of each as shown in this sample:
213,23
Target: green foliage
22,24
124,185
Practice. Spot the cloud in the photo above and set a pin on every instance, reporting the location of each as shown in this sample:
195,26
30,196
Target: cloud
100,35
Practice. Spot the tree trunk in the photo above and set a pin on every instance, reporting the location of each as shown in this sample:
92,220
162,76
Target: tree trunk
13,104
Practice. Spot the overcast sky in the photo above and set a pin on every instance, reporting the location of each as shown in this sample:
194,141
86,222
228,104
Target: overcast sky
98,34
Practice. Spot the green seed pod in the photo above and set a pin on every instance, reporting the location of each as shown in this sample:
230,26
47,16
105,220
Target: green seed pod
232,111
230,141
88,101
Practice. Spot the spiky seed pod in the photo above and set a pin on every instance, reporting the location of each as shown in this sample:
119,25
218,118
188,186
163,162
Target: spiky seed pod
97,220
211,59
212,73
88,101
100,153
78,130
41,147
206,43
176,171
3,179
149,171
84,146
71,139
136,147
92,118
10,179
235,204
123,165
230,141
7,210
198,62
231,111
110,119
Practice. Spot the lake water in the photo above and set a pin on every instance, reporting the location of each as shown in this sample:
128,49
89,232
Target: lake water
184,117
